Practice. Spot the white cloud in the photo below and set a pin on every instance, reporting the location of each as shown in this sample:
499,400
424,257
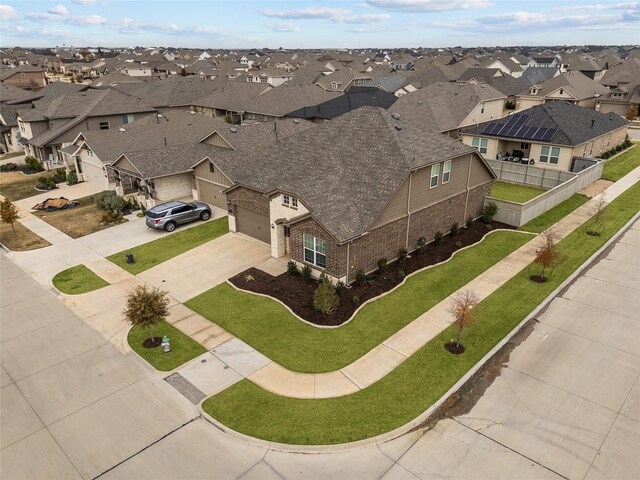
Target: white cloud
598,6
417,6
59,10
84,2
368,18
306,13
287,27
8,13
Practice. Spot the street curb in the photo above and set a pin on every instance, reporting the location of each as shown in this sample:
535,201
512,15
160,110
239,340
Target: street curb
385,437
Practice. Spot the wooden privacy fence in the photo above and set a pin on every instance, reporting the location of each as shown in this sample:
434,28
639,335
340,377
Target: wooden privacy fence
518,214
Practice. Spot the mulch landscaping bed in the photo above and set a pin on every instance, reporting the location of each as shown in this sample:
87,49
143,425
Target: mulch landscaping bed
298,296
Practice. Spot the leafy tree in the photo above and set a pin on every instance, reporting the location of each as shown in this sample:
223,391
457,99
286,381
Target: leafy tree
183,72
146,307
547,254
462,307
632,113
9,213
325,298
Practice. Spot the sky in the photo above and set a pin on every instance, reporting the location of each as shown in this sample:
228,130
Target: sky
317,23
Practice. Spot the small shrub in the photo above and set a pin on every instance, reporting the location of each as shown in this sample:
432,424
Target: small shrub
340,286
401,274
488,226
382,265
292,268
33,164
488,212
458,244
109,200
402,256
361,277
455,228
469,222
61,173
325,298
9,167
355,300
437,238
72,178
618,148
421,245
249,278
306,274
46,183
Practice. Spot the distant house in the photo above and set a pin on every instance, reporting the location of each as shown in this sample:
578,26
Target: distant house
348,192
623,83
271,76
547,62
24,76
571,87
549,135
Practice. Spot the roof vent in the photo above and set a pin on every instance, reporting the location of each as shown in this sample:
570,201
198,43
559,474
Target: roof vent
192,112
296,121
420,102
395,116
159,115
122,130
233,130
398,127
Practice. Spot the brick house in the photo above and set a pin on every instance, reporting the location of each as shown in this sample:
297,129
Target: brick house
348,192
24,76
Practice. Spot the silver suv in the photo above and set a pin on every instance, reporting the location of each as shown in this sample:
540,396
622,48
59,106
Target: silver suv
171,214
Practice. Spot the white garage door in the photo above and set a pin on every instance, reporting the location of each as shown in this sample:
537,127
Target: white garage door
94,175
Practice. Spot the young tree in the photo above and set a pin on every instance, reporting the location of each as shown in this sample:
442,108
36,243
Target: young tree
547,254
183,72
462,307
597,223
632,113
325,298
9,213
146,307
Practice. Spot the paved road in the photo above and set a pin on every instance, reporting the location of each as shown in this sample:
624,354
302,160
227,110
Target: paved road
566,403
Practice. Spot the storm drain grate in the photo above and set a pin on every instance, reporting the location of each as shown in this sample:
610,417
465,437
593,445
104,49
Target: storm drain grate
185,387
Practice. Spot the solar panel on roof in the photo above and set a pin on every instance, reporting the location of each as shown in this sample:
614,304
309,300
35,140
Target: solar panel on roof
531,132
489,128
549,135
538,135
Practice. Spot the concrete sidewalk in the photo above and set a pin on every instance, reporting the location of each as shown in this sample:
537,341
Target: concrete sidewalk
251,364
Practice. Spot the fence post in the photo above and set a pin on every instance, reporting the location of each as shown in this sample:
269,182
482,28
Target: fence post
544,170
526,173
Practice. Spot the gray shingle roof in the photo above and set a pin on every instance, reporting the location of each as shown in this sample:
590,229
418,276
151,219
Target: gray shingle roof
575,125
575,83
287,98
346,170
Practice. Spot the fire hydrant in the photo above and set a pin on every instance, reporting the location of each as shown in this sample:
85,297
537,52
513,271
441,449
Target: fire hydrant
166,345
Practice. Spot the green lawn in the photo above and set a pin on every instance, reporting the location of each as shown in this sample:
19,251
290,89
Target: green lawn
78,279
618,167
515,193
273,330
550,217
183,348
16,186
423,378
154,253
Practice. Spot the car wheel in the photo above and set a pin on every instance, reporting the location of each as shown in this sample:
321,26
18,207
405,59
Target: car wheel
170,226
204,216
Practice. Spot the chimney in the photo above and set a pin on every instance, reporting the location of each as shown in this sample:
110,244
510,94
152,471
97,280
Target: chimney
593,122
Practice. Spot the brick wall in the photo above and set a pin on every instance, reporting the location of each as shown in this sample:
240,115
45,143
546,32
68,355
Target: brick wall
249,199
336,254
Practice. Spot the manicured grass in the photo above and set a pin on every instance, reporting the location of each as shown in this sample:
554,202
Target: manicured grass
550,217
273,330
78,279
515,193
7,156
78,221
16,186
423,378
618,167
154,253
183,348
22,239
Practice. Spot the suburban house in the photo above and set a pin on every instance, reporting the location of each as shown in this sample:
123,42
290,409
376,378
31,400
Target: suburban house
449,107
623,83
550,135
229,99
546,62
503,62
49,125
9,128
272,76
571,87
356,189
284,99
24,76
342,79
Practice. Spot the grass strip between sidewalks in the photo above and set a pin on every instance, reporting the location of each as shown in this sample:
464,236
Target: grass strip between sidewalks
424,377
78,279
618,167
557,213
183,347
154,253
272,330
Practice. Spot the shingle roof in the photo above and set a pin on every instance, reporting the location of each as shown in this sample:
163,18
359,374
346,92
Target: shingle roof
346,170
575,125
537,75
232,96
353,98
173,91
575,83
287,98
13,94
10,72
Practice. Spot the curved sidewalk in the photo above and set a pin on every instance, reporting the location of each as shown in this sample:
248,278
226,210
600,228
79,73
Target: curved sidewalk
371,367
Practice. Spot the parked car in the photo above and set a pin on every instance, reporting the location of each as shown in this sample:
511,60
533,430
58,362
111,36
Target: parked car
171,214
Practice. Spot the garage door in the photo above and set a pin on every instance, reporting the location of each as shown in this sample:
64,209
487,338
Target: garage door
253,224
211,193
94,175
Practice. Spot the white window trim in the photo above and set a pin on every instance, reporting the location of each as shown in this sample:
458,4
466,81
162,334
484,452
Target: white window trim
446,172
435,173
314,251
286,200
294,202
549,157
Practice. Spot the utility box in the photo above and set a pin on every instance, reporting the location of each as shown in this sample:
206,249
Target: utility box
129,257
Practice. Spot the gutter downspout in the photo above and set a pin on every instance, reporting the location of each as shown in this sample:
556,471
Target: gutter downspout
466,201
348,253
408,211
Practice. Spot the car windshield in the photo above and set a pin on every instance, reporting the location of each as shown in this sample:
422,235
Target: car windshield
151,214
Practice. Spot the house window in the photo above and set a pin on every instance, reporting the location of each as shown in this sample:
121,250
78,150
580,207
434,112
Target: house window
534,91
251,116
315,251
263,79
446,171
212,169
524,146
435,171
128,118
21,126
480,144
249,78
334,86
549,154
104,125
89,152
294,202
482,108
608,141
286,200
562,91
